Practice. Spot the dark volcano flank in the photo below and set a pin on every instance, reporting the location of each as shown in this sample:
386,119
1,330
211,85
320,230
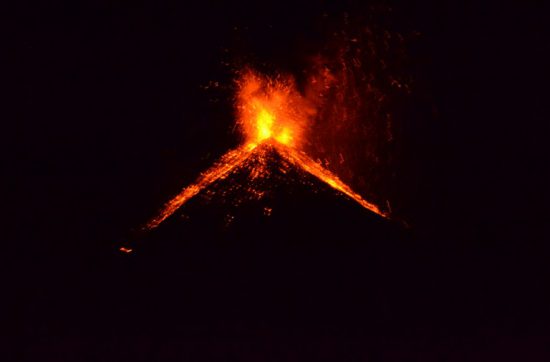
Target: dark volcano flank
268,191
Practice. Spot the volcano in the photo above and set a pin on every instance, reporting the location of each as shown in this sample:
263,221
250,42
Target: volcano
269,197
273,118
258,162
267,242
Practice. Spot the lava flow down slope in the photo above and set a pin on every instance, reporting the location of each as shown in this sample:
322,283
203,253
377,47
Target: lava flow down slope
273,118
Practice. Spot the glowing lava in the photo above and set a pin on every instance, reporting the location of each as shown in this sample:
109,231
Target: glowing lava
270,111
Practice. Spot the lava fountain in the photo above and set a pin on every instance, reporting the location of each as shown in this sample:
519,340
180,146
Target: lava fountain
270,112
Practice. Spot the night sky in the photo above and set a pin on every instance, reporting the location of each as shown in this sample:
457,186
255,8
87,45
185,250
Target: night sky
121,104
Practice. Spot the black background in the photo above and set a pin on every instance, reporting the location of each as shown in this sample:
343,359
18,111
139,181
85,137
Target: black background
113,117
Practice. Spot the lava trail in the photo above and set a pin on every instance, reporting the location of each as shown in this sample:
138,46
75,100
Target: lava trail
220,170
303,161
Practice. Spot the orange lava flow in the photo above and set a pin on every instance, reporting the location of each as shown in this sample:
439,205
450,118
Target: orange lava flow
306,163
269,111
220,170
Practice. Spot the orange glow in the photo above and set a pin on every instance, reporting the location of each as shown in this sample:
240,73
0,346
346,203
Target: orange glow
269,111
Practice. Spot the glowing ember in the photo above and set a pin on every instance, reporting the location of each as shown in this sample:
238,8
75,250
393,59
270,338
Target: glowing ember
270,112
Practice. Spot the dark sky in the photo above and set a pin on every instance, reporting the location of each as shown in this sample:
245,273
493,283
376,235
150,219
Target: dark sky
112,117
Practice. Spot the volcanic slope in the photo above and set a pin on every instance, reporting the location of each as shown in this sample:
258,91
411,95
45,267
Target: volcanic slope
269,197
258,245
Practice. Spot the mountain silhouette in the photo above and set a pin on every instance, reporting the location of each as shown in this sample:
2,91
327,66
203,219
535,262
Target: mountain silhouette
278,246
270,198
